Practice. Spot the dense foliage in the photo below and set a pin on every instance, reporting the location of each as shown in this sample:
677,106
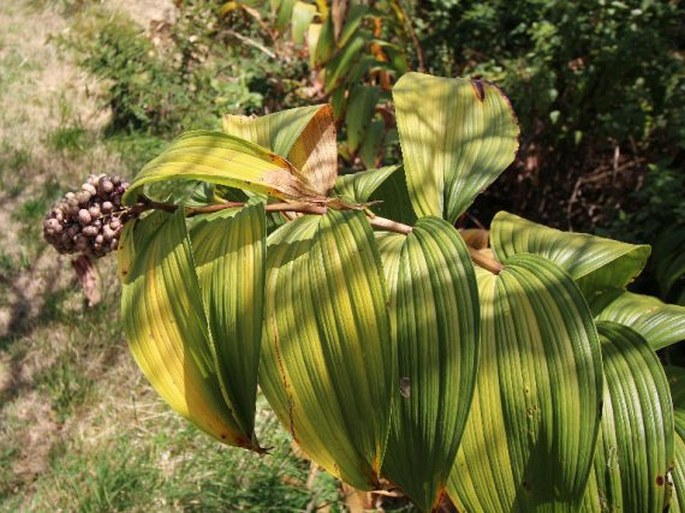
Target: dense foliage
509,371
599,88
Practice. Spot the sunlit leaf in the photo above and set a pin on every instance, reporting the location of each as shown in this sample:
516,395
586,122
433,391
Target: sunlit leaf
659,323
530,437
594,262
230,254
315,154
305,135
219,158
434,322
328,366
166,326
635,446
457,136
276,132
358,187
303,14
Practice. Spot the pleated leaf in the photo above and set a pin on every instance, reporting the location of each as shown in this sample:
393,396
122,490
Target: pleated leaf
659,323
594,262
434,321
358,187
676,380
305,135
230,257
219,158
456,135
166,326
392,199
530,436
635,446
328,366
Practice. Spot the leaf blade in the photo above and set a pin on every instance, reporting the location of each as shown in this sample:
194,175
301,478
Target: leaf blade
456,136
219,158
434,322
166,327
233,247
594,262
530,437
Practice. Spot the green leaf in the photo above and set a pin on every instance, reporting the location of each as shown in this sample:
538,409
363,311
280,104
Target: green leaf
353,21
276,132
456,135
166,326
659,323
325,46
370,151
434,323
530,436
358,187
635,447
328,366
303,14
284,13
594,262
362,107
305,135
219,158
340,66
676,380
668,260
230,255
394,199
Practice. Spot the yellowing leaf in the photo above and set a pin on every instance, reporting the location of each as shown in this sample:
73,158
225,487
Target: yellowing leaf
327,361
305,135
230,255
219,158
315,151
456,135
166,326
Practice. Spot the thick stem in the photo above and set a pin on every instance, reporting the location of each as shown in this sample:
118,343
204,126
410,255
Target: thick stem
378,222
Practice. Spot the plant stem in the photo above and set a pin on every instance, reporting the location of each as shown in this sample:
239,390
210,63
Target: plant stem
381,223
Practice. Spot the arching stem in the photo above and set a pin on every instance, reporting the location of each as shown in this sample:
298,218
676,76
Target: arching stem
380,223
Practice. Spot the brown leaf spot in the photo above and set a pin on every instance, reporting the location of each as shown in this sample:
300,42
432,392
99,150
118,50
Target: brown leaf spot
479,89
660,480
405,387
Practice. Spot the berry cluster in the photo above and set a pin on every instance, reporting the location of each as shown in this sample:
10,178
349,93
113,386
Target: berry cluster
89,221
